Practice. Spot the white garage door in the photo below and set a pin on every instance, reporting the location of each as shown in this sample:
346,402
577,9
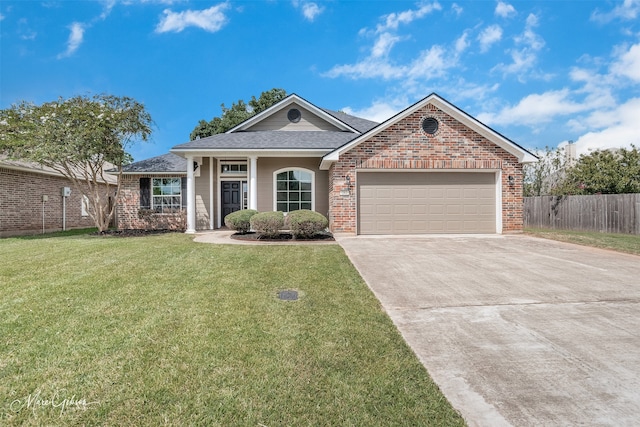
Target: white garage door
426,202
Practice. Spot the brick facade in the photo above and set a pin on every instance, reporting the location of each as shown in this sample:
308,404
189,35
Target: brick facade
404,146
129,214
21,205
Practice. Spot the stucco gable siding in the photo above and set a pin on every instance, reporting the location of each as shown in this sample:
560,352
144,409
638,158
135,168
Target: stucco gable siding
279,122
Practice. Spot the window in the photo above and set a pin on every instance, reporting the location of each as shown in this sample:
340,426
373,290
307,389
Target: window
233,168
166,194
294,190
84,207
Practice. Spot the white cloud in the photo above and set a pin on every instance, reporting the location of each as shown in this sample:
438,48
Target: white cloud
489,36
524,58
393,20
628,10
529,38
384,44
311,10
108,6
620,128
211,19
457,9
428,64
628,64
462,43
379,111
75,39
431,63
504,10
535,109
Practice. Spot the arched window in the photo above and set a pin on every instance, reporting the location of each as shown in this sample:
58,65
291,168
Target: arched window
294,189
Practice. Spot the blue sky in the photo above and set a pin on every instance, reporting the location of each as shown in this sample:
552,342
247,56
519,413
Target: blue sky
540,72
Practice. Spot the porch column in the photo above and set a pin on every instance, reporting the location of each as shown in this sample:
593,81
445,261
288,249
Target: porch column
253,182
191,197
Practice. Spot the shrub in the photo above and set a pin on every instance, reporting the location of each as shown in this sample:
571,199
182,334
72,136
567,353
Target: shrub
304,224
268,224
240,221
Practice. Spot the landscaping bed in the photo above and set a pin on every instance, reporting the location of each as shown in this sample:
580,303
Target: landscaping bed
284,236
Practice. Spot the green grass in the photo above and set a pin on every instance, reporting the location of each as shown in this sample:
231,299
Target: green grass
160,330
629,243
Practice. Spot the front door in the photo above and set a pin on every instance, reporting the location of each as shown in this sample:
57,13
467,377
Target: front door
231,197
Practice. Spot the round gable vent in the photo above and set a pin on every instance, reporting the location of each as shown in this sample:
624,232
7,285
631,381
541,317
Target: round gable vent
430,125
294,115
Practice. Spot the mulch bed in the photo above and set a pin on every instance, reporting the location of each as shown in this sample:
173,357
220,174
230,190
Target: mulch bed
283,237
133,233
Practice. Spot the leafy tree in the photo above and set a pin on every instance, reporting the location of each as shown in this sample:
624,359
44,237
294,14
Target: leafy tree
238,113
604,172
544,176
78,137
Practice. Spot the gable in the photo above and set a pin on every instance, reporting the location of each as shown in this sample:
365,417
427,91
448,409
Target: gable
405,144
315,118
307,121
409,122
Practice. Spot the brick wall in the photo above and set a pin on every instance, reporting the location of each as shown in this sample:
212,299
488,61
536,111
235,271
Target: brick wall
405,146
128,209
21,206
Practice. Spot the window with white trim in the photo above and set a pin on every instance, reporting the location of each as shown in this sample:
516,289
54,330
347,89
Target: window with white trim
293,190
166,194
84,207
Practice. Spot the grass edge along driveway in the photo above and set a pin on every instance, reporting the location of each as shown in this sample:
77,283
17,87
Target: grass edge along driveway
160,330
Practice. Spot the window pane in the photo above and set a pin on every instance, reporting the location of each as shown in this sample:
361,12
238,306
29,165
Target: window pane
282,176
282,196
294,185
292,175
294,196
305,206
282,185
306,196
156,191
294,206
282,207
305,186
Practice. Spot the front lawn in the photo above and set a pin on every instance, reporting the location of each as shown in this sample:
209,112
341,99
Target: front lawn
629,243
159,330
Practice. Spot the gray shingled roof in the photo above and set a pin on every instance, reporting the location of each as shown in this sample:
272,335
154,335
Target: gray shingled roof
360,124
166,163
262,140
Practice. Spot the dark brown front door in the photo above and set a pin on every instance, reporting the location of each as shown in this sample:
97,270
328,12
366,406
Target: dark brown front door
231,201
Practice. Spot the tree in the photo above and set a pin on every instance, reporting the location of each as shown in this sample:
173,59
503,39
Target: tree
544,176
80,138
238,113
604,172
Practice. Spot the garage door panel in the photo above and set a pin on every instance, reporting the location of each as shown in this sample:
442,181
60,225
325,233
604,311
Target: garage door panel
410,203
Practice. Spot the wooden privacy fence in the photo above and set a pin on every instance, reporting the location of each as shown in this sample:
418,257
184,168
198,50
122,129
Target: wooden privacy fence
606,213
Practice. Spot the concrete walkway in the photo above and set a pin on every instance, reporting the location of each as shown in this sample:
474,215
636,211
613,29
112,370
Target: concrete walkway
515,330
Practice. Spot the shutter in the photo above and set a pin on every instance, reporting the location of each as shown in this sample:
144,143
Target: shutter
145,193
183,184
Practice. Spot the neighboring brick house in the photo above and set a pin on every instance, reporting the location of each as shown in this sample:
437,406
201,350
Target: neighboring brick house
31,200
431,168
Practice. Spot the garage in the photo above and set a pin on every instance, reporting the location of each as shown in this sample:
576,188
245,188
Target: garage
426,202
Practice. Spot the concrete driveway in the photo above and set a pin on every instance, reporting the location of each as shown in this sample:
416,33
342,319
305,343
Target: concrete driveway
515,330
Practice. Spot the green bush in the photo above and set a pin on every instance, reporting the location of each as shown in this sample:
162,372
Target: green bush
304,224
268,224
240,221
